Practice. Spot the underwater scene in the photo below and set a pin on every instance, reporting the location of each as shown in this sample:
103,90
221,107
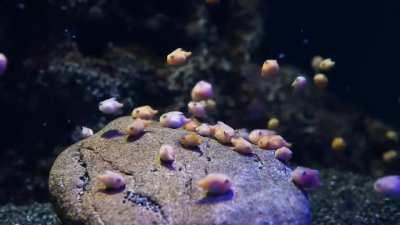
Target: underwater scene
199,112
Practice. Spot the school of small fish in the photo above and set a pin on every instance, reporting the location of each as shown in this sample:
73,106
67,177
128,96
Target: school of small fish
202,103
245,143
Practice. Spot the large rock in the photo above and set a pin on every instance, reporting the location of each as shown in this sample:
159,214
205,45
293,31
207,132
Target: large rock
157,194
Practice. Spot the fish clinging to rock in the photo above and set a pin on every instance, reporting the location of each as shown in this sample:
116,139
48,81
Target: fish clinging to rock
137,127
241,145
191,125
256,134
283,154
191,140
272,142
167,153
215,183
223,133
112,180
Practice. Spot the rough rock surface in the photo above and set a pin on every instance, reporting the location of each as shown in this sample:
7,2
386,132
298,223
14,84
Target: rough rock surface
159,194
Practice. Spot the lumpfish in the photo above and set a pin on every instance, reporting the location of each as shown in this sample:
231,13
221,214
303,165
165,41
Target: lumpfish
112,180
198,109
272,142
326,65
255,135
110,106
320,81
203,90
388,186
215,183
392,135
316,61
270,68
283,154
178,57
145,112
3,63
205,130
86,132
241,145
167,154
223,133
338,144
191,140
191,125
306,178
389,155
299,83
174,119
137,127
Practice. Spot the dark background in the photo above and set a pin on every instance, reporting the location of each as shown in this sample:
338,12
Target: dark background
362,36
